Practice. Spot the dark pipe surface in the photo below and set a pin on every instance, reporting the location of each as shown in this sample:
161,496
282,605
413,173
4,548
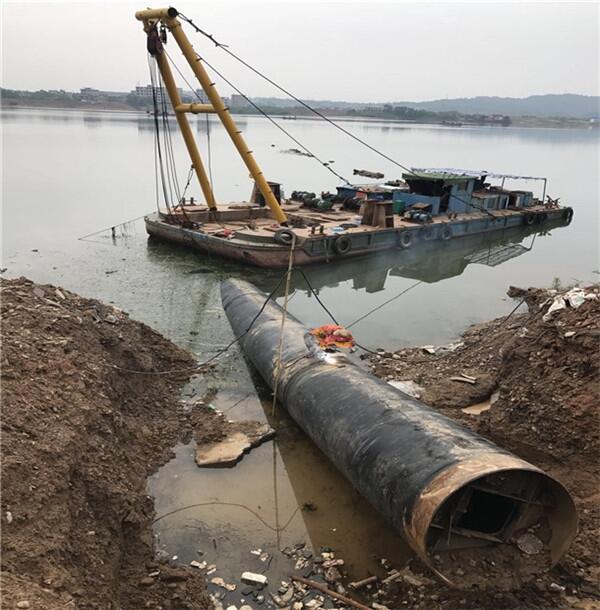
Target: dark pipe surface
392,447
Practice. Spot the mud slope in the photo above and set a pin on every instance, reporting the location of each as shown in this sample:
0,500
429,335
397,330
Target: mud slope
79,437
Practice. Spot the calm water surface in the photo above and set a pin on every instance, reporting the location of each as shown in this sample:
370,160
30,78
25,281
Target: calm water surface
68,174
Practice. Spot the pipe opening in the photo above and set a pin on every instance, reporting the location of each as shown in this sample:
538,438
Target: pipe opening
486,512
516,522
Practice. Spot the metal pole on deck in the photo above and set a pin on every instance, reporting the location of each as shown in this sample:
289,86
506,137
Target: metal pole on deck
544,192
168,18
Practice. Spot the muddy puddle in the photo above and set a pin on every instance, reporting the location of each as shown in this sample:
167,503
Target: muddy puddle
283,493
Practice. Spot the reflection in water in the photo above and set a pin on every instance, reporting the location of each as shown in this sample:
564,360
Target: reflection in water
283,493
428,262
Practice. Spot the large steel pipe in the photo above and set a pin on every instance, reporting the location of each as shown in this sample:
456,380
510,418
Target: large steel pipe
441,486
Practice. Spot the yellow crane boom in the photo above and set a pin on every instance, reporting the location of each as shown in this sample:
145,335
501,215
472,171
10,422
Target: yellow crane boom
168,17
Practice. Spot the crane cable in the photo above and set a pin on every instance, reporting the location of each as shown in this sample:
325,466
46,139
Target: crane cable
258,109
157,141
308,107
291,95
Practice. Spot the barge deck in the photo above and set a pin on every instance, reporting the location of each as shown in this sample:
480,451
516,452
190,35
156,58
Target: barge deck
252,236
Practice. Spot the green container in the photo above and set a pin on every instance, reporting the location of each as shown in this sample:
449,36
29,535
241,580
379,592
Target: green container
399,206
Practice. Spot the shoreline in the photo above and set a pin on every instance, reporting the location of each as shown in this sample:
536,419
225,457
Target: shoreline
517,122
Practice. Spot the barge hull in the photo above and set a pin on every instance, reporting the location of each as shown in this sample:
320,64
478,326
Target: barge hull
319,249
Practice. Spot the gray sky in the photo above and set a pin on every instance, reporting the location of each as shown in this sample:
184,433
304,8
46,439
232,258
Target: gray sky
355,51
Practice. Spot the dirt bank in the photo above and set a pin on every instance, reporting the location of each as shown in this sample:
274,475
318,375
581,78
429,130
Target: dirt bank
81,432
79,437
539,372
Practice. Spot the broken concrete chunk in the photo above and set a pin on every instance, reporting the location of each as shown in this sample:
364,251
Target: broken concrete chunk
332,574
242,437
278,601
254,579
415,580
217,605
286,597
217,580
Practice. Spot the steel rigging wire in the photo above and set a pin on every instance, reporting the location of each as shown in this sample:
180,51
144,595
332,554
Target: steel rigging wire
325,164
308,107
169,178
157,139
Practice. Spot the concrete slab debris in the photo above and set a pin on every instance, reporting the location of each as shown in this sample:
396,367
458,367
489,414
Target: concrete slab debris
252,578
241,437
217,580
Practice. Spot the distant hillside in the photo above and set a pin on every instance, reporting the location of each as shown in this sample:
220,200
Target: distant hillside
551,105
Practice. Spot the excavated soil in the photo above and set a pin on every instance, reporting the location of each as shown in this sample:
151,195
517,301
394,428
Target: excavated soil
81,433
86,418
540,377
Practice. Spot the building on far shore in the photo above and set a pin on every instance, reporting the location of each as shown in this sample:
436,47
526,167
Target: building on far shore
146,91
239,102
89,93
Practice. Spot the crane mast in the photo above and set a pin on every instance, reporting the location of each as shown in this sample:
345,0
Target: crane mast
168,17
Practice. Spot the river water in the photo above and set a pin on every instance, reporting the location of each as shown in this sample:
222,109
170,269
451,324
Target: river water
67,174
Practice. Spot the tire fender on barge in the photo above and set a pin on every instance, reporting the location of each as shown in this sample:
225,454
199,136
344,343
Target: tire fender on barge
405,238
342,244
442,487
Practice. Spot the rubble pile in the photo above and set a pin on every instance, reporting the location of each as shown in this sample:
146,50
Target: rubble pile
317,581
540,370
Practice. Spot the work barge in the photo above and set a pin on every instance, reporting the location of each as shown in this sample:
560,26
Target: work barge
270,230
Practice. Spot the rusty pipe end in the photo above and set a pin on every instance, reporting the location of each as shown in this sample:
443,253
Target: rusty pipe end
498,512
